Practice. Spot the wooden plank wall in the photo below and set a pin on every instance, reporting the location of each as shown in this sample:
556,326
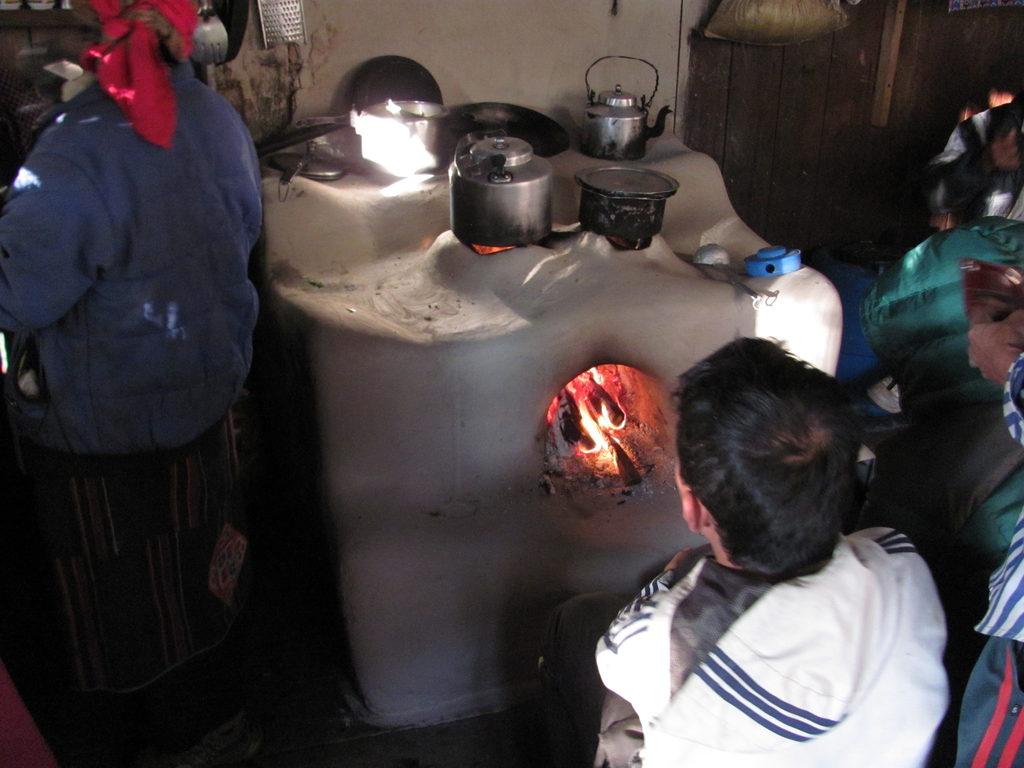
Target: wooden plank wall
12,41
791,127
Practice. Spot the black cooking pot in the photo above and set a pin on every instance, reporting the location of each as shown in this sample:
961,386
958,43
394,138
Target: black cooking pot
627,203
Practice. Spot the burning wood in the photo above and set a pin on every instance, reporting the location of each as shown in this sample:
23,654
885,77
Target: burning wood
604,407
569,420
628,470
598,427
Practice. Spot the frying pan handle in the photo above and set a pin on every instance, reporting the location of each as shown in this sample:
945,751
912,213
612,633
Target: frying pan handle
645,101
303,130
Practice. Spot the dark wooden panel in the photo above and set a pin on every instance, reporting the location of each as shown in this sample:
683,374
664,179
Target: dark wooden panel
792,204
751,130
852,151
707,101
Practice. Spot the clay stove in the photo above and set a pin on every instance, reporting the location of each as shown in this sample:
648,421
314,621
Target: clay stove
462,502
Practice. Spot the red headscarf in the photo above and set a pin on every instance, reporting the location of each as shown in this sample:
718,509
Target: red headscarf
130,66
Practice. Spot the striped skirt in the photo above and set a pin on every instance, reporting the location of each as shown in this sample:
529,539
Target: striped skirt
149,551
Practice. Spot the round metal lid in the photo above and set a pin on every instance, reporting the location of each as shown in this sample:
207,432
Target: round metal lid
516,151
620,181
617,98
310,168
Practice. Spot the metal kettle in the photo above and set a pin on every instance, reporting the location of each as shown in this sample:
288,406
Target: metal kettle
500,191
615,122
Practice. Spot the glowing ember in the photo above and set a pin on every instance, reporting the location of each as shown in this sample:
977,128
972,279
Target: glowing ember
483,250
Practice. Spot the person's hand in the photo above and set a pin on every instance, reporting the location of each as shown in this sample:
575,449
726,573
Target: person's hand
1003,152
994,346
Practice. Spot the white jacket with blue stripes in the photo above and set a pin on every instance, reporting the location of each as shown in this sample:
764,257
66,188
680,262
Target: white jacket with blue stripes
839,668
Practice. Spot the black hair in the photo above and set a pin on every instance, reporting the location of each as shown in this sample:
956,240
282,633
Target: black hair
769,445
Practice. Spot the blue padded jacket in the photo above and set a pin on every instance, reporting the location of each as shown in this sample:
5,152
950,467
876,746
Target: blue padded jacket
124,275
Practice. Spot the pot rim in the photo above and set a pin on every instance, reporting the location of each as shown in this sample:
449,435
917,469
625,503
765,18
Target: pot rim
408,110
585,179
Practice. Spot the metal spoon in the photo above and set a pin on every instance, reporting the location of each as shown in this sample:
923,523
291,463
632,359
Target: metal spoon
723,275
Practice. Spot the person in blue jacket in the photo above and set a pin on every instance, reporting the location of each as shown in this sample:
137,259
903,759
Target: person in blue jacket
128,317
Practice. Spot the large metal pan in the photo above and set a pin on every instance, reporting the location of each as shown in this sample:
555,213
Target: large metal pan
390,77
544,135
375,81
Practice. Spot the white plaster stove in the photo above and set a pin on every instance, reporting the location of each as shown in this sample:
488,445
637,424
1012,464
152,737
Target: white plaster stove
432,370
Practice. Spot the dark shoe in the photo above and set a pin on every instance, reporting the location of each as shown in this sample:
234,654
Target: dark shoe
236,741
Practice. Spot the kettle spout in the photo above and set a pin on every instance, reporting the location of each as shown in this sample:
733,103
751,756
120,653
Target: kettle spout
659,124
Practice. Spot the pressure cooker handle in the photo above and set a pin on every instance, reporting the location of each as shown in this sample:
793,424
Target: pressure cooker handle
645,102
498,174
463,149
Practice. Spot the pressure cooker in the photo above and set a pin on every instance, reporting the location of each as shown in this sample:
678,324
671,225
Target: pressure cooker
500,191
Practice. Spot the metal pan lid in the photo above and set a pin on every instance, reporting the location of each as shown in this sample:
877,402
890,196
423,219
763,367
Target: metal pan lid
310,168
622,181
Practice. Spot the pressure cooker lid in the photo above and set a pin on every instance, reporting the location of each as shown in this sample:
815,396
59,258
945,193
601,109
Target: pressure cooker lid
616,181
391,77
516,151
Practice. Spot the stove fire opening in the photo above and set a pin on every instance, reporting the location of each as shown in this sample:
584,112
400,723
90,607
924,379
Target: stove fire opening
626,244
606,430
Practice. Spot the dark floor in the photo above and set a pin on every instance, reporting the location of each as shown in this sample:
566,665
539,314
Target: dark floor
301,694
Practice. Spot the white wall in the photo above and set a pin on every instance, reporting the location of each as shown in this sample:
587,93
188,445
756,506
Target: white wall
533,53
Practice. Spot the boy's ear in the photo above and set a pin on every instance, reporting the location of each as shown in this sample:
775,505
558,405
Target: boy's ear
694,513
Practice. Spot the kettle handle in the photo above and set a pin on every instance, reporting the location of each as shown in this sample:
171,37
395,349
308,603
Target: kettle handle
645,102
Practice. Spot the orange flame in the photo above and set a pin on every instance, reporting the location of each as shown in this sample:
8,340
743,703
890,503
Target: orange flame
591,401
999,98
996,98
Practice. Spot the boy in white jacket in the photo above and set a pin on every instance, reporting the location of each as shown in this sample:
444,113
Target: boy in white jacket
782,642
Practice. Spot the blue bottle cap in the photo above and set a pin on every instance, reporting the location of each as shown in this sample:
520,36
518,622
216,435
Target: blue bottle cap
773,260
